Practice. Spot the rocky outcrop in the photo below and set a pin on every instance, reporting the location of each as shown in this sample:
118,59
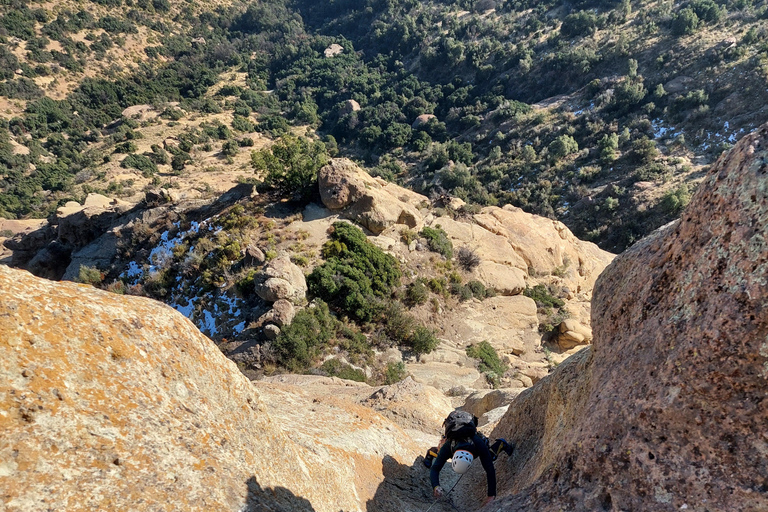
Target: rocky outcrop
404,403
506,280
372,202
509,324
667,409
483,401
422,120
571,334
114,402
529,245
281,279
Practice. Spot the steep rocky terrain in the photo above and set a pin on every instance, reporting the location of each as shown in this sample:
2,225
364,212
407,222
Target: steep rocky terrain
112,401
146,248
120,403
667,409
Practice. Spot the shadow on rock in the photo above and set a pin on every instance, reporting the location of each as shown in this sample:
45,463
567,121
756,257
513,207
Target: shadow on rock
406,489
276,499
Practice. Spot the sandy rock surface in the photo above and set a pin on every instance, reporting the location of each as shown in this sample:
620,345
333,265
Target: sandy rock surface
667,410
113,402
370,201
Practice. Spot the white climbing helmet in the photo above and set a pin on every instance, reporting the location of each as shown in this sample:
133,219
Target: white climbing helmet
461,461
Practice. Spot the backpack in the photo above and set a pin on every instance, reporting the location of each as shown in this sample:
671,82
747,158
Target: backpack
460,425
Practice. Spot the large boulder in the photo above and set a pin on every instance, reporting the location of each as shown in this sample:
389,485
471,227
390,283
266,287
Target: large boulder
667,410
113,402
505,279
281,279
446,376
405,403
482,401
509,324
572,333
371,202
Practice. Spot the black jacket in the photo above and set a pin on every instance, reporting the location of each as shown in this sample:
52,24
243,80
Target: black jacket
478,447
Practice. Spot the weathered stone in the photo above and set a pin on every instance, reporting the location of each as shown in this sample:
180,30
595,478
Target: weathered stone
504,279
492,416
113,402
422,120
571,334
254,257
271,331
281,279
281,314
509,324
349,107
333,50
670,398
445,376
404,403
371,202
51,262
482,401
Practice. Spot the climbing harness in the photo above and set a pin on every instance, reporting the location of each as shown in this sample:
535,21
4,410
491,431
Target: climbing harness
446,494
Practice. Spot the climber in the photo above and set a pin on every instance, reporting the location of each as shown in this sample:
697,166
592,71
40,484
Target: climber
462,443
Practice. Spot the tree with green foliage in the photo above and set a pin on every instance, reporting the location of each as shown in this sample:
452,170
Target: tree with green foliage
355,274
298,343
291,164
685,22
563,146
140,162
609,147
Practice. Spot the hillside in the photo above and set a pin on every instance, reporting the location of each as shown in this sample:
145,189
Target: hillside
119,402
454,296
600,114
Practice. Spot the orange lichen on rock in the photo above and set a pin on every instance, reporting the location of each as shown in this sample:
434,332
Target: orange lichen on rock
115,402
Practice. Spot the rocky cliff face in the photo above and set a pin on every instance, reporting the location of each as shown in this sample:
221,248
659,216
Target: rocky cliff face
668,410
119,403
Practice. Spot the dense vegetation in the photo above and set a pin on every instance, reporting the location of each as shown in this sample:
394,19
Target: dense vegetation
437,95
359,280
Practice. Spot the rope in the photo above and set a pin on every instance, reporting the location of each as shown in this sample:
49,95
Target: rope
446,494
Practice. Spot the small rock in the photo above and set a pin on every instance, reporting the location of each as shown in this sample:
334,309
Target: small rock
271,331
254,257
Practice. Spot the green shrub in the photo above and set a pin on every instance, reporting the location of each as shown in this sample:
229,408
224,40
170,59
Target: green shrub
140,162
563,146
478,289
417,293
423,340
438,241
398,325
246,285
126,147
242,124
489,358
686,22
675,200
298,344
438,285
609,147
394,372
291,164
355,274
543,297
644,150
652,172
336,368
90,275
582,23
